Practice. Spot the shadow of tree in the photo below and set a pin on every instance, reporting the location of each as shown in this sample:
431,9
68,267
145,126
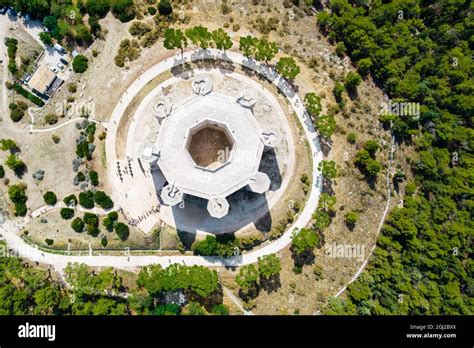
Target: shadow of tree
271,284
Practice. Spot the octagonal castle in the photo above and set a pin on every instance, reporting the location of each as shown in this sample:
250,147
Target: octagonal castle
209,146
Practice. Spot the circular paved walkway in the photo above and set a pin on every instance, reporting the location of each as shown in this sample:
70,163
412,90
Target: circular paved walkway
15,242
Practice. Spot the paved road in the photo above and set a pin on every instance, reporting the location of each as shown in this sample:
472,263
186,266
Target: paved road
15,242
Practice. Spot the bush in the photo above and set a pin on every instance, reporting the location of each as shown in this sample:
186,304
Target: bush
15,164
77,225
122,231
80,177
72,87
67,213
103,241
103,200
151,10
94,176
124,10
16,115
80,63
165,8
2,172
50,198
49,241
351,219
351,138
86,199
55,138
51,118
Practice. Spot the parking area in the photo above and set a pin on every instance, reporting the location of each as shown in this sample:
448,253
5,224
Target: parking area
54,57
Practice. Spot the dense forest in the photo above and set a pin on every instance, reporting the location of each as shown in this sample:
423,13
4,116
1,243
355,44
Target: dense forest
65,21
25,289
421,52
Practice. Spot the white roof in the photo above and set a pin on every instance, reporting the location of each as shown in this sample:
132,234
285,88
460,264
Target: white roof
176,163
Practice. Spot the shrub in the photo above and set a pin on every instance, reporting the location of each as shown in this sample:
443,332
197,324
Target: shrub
51,118
165,8
2,172
103,241
15,164
151,10
67,213
351,219
49,241
72,87
86,199
351,138
55,138
80,177
50,198
80,63
122,230
77,225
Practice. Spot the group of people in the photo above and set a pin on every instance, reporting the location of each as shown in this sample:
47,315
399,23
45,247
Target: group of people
135,221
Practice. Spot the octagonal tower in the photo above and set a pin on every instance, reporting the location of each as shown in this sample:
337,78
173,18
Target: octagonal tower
210,146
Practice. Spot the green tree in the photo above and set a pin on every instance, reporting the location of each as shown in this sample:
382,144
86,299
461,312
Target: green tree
8,145
304,241
199,35
165,8
2,172
77,225
247,45
268,266
122,231
364,65
312,103
371,146
265,50
353,80
80,63
247,278
288,68
46,38
221,39
16,164
337,91
326,125
67,213
94,176
351,219
50,198
174,38
86,199
104,201
328,169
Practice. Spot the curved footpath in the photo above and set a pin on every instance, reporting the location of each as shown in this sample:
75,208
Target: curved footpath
15,242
